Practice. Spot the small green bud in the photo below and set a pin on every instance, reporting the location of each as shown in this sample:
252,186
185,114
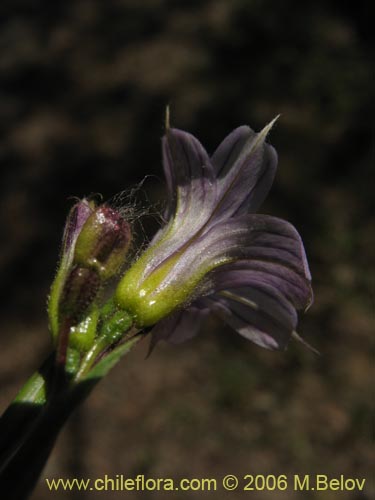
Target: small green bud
83,335
115,327
114,322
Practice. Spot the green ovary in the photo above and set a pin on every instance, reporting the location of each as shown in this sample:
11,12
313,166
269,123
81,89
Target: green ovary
152,299
149,300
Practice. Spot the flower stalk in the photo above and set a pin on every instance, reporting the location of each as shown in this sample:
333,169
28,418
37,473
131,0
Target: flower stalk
35,418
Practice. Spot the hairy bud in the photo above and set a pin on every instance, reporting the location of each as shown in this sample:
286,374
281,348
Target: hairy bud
79,291
103,242
95,243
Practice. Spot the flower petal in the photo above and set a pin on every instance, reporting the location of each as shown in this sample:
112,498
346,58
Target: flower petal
260,313
189,174
245,168
179,326
290,283
235,182
230,148
192,193
251,237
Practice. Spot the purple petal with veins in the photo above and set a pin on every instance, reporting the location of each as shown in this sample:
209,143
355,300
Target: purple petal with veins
252,268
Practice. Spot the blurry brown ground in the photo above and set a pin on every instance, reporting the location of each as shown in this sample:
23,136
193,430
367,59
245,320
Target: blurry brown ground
83,89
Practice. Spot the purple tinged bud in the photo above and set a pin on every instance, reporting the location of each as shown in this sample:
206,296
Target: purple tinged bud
77,217
103,242
95,243
79,291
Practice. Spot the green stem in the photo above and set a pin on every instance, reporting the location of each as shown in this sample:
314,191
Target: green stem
27,462
30,426
17,420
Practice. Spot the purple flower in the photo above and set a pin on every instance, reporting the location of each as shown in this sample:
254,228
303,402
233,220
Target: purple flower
214,253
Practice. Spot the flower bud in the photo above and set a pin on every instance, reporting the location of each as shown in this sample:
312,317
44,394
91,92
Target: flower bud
79,292
103,242
77,217
95,243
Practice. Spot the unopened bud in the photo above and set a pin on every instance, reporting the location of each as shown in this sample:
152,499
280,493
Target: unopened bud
77,217
103,242
79,292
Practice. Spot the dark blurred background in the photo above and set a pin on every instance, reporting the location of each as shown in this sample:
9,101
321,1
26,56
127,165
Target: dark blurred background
83,91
